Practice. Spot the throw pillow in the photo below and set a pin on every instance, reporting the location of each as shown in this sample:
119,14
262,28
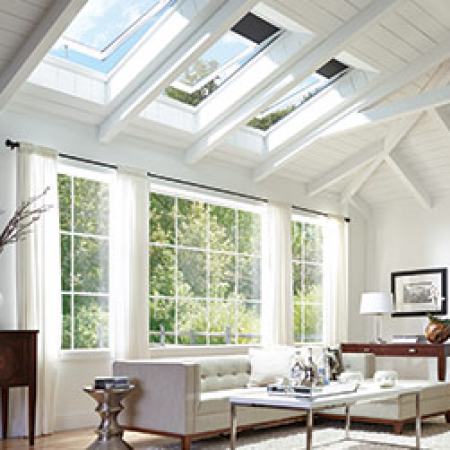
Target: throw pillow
269,364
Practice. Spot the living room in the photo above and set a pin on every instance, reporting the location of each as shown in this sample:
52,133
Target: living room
209,187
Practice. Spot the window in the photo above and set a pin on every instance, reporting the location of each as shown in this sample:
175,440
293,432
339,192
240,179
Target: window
84,239
122,25
328,74
230,53
204,271
307,276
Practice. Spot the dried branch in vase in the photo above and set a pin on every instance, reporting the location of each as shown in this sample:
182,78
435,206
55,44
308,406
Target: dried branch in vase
19,226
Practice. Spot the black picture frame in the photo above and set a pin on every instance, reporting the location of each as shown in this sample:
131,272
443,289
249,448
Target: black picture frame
441,272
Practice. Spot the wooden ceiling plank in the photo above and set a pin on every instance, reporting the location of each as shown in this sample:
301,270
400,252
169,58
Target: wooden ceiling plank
42,38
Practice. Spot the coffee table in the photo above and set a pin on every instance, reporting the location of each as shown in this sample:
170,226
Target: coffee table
366,392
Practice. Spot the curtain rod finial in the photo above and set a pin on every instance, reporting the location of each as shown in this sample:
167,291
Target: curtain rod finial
12,144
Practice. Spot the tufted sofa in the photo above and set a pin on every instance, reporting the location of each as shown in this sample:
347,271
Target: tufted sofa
188,398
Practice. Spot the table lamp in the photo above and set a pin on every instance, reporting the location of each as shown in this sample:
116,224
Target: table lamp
376,304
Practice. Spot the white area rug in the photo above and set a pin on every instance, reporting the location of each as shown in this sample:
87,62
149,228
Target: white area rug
327,435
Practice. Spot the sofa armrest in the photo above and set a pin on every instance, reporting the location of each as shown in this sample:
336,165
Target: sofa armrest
165,397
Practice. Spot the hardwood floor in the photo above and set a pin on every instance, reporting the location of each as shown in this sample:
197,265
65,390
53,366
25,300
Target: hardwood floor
79,439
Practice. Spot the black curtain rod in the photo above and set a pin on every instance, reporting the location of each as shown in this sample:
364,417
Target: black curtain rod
12,145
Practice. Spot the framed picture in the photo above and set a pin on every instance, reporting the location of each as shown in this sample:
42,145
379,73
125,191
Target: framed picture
419,292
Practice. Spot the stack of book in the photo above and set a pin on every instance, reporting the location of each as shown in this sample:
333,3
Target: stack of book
111,383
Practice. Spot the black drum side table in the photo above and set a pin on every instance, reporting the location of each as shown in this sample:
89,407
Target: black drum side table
109,432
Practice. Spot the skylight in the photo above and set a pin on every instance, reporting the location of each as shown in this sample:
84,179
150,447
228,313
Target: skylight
223,59
105,30
298,96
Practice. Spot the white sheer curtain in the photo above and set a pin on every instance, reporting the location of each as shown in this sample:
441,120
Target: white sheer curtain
335,282
277,310
38,275
130,285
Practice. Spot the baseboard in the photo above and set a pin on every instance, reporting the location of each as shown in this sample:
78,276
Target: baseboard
73,421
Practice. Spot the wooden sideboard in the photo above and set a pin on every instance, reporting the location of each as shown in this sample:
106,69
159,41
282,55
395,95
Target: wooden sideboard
18,367
439,351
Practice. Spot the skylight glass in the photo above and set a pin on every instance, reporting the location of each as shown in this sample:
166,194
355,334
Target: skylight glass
105,30
223,59
300,95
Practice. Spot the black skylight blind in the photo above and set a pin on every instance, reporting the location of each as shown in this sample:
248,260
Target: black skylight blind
331,68
254,28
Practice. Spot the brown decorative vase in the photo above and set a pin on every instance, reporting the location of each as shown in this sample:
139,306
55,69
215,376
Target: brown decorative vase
437,332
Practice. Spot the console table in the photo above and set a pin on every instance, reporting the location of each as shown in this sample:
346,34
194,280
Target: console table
439,351
18,357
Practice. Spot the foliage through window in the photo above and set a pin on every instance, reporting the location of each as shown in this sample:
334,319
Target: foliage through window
204,272
307,276
246,39
84,238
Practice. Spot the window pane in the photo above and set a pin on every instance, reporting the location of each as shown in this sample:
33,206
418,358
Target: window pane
155,338
64,200
222,228
313,322
221,316
65,263
91,322
162,219
307,279
222,278
191,273
249,233
313,282
112,19
192,220
66,308
91,265
162,271
162,312
249,277
91,206
313,242
297,239
249,315
192,321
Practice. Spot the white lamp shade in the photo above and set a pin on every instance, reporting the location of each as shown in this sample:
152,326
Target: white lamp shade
376,303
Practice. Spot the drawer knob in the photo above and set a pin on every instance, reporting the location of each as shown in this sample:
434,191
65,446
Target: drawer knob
412,350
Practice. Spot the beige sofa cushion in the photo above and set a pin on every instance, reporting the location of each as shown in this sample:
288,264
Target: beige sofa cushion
435,398
225,372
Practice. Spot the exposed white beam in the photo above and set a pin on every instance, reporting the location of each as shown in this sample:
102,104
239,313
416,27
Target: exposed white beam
372,94
346,168
178,61
312,57
409,180
36,46
361,206
409,105
357,183
439,119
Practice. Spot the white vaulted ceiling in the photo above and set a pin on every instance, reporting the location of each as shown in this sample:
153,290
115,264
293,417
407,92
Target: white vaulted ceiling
379,133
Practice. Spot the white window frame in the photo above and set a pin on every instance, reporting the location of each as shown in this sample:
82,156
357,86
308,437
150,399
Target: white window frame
320,221
103,175
227,202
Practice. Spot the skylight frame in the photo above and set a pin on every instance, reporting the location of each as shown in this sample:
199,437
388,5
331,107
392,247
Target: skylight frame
169,7
121,38
258,50
301,107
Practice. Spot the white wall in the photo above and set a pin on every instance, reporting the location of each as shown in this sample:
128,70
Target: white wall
74,408
405,237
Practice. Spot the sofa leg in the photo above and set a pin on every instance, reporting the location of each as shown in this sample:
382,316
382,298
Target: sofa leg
398,427
186,443
447,416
